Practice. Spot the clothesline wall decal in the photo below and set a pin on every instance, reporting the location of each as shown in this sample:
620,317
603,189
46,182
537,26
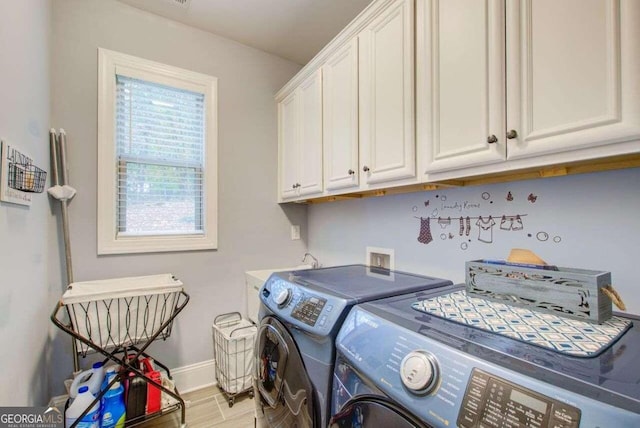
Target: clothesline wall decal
456,219
472,217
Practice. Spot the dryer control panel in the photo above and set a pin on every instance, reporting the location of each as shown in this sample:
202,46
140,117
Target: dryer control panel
307,309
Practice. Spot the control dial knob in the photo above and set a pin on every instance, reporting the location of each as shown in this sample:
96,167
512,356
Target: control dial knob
419,372
282,297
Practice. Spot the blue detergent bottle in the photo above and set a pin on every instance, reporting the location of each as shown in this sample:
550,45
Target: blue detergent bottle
113,407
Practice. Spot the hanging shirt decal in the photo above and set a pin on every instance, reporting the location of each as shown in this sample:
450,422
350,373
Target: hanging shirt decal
485,229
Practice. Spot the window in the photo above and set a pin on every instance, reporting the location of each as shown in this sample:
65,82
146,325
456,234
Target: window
157,144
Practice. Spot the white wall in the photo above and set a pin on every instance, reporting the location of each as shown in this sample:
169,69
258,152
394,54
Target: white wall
595,217
253,229
25,295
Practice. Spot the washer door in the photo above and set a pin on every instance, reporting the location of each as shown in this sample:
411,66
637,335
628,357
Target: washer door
284,395
368,411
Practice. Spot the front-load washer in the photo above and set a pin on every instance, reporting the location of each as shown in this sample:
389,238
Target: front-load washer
301,313
448,373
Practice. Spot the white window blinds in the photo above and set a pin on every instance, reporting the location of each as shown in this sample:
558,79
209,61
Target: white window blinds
160,144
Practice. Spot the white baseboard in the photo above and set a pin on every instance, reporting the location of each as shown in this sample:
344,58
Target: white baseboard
194,376
187,378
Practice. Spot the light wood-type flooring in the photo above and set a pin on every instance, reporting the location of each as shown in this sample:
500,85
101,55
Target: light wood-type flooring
208,407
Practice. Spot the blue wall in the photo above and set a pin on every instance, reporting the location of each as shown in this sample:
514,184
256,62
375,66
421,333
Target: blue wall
589,221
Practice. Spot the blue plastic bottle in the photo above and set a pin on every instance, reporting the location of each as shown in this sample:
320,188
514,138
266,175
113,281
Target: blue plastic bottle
109,373
113,408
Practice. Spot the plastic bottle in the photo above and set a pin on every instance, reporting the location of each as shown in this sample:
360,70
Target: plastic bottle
109,372
113,408
82,401
92,378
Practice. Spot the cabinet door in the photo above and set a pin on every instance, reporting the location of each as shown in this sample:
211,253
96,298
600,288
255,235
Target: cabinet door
310,135
288,146
573,69
460,83
387,142
340,118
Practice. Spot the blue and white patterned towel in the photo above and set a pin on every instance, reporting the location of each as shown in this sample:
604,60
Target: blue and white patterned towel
564,335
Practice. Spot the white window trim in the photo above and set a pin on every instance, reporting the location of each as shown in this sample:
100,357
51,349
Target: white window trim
110,62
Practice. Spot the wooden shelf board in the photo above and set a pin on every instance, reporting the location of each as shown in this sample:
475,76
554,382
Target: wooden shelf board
582,167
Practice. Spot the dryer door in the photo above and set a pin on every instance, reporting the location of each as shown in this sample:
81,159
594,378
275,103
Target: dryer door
368,411
284,392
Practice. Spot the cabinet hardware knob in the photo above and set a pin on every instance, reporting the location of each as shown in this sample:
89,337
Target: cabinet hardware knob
492,139
351,172
512,134
365,168
297,184
293,186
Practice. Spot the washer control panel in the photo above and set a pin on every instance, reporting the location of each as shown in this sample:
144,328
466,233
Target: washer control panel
308,309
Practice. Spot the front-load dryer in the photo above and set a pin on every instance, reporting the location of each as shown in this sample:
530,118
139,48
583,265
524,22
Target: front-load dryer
301,313
451,360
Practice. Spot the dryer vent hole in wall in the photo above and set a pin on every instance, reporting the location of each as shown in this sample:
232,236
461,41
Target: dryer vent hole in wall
380,258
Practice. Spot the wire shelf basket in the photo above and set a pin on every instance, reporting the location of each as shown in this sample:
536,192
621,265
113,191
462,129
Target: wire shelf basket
26,177
233,344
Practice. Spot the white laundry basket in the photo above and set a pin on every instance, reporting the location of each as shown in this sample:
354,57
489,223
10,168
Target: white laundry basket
233,343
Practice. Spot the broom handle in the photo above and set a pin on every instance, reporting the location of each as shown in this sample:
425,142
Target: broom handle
61,154
62,146
54,157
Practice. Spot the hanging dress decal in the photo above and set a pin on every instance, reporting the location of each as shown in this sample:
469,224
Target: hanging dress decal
425,231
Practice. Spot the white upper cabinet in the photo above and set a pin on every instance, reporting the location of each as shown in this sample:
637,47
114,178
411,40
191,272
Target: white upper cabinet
310,121
340,118
300,139
386,84
573,68
535,82
288,146
460,83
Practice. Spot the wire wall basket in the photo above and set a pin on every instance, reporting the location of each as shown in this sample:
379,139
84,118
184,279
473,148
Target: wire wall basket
26,177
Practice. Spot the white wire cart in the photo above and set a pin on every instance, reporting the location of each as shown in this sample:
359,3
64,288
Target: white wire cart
233,342
120,318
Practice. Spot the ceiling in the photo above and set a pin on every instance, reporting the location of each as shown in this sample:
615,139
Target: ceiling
292,29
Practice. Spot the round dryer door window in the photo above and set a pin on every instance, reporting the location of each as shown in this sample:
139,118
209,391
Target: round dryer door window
284,392
366,411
